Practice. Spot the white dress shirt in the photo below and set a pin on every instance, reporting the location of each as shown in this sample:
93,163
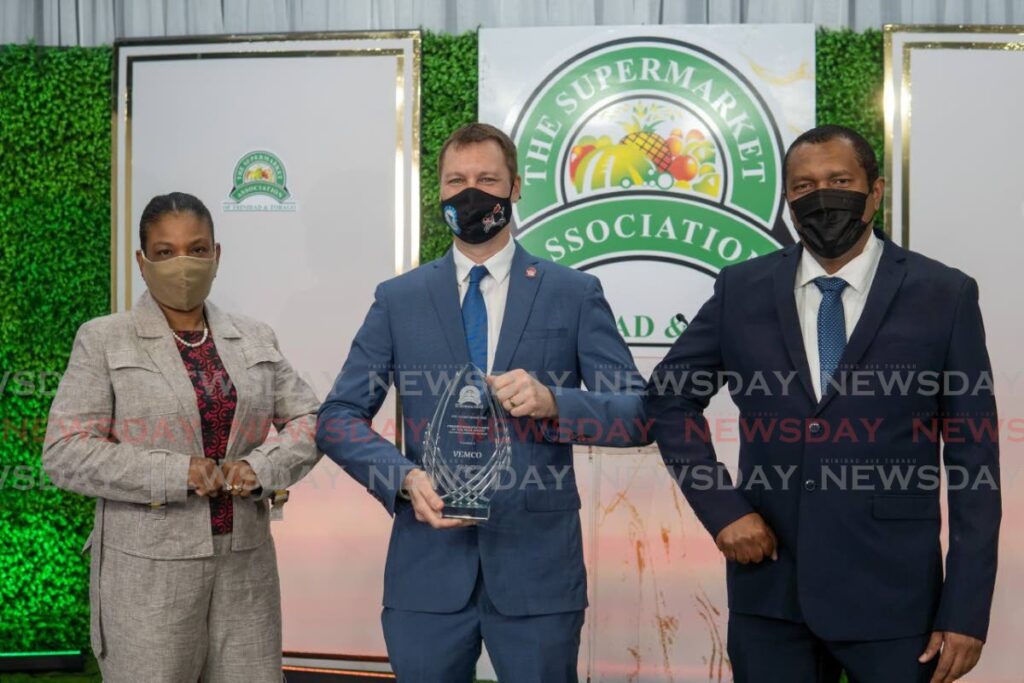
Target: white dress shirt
858,273
494,288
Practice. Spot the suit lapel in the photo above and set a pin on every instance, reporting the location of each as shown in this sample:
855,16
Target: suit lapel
155,336
444,292
229,347
785,306
521,292
887,281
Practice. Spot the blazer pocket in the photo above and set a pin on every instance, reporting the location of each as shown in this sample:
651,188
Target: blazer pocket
119,359
545,333
139,386
550,500
905,507
254,355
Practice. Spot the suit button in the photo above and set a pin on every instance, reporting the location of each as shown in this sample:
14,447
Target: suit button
815,428
810,485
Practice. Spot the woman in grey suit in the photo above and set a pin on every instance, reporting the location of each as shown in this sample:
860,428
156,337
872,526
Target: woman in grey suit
163,416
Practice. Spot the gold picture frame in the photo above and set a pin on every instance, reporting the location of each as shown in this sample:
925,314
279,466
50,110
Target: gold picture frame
904,96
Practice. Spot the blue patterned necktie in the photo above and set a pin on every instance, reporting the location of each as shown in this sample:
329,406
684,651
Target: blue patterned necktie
474,318
831,327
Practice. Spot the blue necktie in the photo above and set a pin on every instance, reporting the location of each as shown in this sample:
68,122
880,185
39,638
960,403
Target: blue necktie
831,327
474,318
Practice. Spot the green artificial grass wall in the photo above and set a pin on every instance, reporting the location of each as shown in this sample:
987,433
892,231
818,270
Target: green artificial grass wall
54,275
55,268
448,100
850,74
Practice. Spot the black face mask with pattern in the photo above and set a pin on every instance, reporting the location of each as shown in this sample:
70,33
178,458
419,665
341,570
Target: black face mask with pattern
475,216
829,221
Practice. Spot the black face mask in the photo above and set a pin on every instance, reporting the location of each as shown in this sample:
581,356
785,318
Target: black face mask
829,221
475,216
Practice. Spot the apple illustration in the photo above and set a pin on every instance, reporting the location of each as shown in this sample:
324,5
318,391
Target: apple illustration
683,167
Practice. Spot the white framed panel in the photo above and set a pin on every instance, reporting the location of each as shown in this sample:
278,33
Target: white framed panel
952,104
333,119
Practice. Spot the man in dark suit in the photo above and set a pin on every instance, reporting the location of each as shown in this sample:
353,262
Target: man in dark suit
847,357
515,582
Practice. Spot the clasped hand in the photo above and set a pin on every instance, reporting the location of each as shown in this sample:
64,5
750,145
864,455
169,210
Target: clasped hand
208,479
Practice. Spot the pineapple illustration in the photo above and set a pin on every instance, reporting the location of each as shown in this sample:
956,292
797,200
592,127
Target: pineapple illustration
640,134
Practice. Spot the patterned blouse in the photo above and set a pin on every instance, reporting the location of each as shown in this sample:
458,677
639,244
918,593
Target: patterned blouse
215,395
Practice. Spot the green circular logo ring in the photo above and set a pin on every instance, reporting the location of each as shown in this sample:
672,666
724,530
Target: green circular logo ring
649,149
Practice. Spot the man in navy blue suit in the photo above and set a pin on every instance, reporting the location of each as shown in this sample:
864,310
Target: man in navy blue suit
515,582
847,357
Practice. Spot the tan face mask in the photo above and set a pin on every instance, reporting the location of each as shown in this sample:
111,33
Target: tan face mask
182,282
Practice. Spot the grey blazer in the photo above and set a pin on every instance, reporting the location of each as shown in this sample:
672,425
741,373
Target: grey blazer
124,425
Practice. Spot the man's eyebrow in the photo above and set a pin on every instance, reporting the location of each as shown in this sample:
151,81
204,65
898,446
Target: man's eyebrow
834,173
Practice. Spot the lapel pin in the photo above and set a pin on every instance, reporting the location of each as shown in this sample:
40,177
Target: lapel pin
531,271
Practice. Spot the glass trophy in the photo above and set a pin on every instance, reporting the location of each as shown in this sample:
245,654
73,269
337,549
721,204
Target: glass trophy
467,446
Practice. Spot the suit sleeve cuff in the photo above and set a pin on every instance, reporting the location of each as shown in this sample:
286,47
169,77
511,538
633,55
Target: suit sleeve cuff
389,496
717,509
175,479
968,619
263,468
562,429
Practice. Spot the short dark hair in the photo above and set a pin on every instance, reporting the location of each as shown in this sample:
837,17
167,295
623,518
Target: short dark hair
473,133
816,136
174,202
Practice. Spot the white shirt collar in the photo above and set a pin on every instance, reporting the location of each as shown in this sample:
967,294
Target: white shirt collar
498,266
857,272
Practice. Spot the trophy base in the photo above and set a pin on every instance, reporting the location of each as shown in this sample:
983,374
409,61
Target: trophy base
465,512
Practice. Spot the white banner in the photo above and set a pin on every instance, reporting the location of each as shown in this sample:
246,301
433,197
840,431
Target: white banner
651,157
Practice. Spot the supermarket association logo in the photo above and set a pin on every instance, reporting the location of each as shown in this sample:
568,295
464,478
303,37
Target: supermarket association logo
649,149
259,183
